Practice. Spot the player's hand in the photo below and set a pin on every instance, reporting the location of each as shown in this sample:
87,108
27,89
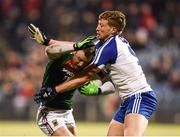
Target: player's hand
37,35
85,43
45,95
90,89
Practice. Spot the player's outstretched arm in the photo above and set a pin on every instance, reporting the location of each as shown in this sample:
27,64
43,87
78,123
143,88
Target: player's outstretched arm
55,50
65,46
40,37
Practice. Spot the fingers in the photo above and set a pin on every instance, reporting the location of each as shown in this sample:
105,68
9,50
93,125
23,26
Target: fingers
82,91
37,35
38,98
33,30
90,38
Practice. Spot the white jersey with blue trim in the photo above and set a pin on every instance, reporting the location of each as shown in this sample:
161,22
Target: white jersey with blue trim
116,55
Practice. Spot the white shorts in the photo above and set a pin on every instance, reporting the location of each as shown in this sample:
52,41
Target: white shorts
49,120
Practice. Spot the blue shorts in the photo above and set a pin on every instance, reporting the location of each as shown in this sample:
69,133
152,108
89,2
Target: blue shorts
141,103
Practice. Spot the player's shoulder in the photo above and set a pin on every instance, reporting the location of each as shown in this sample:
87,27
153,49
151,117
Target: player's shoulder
121,40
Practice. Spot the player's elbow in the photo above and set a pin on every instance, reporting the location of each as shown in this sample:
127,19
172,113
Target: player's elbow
87,78
52,49
52,52
92,73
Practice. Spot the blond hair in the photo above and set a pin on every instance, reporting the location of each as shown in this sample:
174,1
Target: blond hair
115,19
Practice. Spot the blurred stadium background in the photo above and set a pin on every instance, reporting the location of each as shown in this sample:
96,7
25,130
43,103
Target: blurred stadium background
153,29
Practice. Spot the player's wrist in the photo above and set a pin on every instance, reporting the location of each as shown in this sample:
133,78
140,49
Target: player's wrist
46,42
50,92
45,95
99,91
75,46
54,92
85,43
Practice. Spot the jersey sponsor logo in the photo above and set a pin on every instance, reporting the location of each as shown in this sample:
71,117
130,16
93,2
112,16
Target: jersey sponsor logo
45,95
55,123
68,73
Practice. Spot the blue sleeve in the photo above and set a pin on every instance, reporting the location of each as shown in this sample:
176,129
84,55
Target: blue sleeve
106,54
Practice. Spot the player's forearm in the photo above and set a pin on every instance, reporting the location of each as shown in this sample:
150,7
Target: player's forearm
56,48
107,88
78,80
60,47
71,84
59,42
52,41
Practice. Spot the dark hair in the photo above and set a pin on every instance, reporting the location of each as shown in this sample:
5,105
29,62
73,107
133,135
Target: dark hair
89,53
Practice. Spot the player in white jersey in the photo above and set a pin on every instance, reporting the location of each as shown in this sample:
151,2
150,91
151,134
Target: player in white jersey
113,52
139,99
125,71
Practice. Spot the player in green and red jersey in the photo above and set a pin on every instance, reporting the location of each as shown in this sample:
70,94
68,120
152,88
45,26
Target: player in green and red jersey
55,117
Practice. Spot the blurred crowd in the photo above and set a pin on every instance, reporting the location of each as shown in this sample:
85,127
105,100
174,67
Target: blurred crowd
153,30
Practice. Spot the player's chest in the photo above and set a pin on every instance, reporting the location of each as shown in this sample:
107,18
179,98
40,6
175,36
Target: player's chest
66,73
67,70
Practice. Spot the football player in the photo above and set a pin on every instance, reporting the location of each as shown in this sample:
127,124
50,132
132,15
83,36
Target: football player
55,116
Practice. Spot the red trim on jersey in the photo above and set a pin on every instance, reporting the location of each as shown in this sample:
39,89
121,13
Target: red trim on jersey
69,66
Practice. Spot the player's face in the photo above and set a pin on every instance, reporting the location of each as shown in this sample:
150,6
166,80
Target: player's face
79,59
104,30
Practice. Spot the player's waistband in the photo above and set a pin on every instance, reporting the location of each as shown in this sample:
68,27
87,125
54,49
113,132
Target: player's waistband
55,109
123,98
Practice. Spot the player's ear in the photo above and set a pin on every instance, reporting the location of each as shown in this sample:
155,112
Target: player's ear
114,30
